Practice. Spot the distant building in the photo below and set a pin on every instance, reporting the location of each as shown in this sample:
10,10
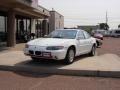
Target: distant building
89,27
100,31
56,21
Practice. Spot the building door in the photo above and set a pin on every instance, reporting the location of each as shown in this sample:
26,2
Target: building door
39,31
23,29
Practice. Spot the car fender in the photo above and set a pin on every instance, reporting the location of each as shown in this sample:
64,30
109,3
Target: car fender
70,43
93,40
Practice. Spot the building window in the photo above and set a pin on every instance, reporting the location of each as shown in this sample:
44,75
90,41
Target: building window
3,29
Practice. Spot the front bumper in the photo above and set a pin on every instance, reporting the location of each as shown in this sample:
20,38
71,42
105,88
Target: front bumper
47,54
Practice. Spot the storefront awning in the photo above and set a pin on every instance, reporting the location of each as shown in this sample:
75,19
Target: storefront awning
25,7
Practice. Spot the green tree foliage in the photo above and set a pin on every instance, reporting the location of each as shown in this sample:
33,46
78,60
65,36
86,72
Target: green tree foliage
104,26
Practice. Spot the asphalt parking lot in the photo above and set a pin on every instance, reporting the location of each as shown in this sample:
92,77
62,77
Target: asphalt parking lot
23,81
110,45
32,81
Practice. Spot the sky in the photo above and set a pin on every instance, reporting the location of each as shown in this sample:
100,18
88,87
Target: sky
85,12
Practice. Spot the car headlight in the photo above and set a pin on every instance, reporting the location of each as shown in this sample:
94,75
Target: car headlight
54,47
26,46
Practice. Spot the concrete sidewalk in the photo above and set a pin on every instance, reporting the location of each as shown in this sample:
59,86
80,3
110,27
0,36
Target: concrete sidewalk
107,65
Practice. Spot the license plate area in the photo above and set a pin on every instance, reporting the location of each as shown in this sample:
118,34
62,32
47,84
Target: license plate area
43,54
46,54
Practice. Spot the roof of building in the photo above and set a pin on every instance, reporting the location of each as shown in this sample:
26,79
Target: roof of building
56,12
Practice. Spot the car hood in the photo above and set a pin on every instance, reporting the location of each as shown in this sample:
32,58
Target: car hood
49,41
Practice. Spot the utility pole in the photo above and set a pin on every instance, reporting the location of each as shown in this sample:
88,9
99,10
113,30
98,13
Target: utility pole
106,26
106,17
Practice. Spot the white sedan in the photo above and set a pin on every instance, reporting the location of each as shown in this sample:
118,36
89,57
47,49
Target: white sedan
61,45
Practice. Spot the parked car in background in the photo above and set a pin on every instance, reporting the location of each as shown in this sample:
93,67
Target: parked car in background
98,36
61,45
99,31
98,42
115,33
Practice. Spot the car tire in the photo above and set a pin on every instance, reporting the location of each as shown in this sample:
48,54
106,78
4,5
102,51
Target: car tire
93,51
97,44
70,56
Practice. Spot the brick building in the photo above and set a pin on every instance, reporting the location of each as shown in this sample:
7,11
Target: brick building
20,17
56,21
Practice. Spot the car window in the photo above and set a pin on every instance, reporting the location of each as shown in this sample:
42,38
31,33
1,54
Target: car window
81,35
63,34
87,35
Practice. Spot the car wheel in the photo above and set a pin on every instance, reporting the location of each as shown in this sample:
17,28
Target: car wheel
97,43
70,56
93,51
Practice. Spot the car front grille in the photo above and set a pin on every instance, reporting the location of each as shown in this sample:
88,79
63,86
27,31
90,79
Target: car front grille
38,52
31,52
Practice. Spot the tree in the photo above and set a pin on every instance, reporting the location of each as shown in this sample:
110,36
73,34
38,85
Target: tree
119,26
104,26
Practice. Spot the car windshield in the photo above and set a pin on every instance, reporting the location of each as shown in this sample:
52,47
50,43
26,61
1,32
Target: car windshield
64,34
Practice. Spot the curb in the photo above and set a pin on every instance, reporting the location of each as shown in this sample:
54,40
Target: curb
32,69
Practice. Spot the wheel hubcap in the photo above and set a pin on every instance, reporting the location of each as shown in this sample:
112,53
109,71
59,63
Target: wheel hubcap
93,51
71,55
